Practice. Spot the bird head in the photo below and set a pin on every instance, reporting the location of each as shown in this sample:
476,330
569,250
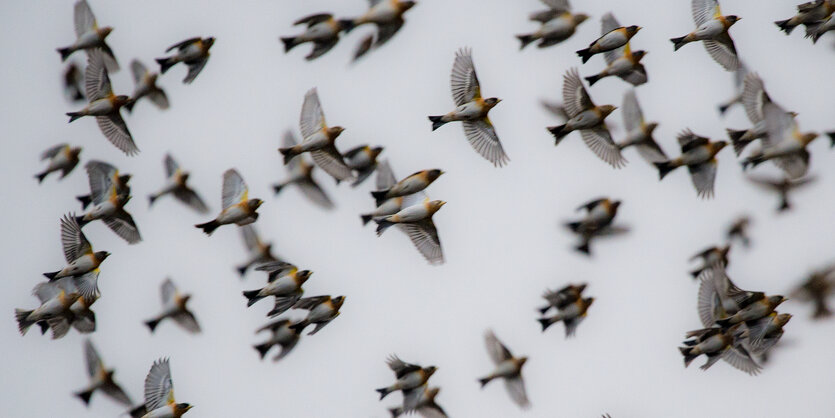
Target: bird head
122,100
208,42
303,275
588,301
376,151
808,137
338,301
254,203
783,319
776,300
101,255
431,393
731,19
607,109
615,205
406,5
650,127
103,32
183,407
334,131
434,174
632,30
718,145
638,55
75,151
430,371
522,361
436,205
492,102
580,18
184,176
124,179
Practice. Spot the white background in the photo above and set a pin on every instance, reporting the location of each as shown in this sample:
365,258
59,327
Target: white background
501,230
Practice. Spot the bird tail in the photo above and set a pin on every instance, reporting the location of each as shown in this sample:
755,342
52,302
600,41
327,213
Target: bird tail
664,168
366,219
85,396
574,226
383,392
696,273
151,199
23,322
484,380
525,39
831,136
74,115
752,161
85,200
584,248
687,352
41,176
289,43
545,322
130,104
288,154
822,311
51,275
737,141
593,79
724,322
544,309
785,26
379,196
152,324
277,187
585,54
784,204
678,42
300,326
165,64
559,133
208,227
436,122
65,53
812,31
723,108
347,24
262,349
252,296
44,326
242,270
382,225
396,412
81,221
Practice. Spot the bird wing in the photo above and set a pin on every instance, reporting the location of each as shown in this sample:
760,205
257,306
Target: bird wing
312,117
754,97
575,97
311,302
53,151
703,176
689,140
385,176
599,140
159,389
400,367
651,152
516,389
123,225
187,320
495,349
234,189
93,360
191,198
483,138
739,358
96,81
73,241
557,5
250,237
608,23
314,192
633,117
117,393
313,19
463,80
168,291
100,176
116,131
183,44
330,160
425,238
637,76
171,166
87,286
159,98
723,51
194,68
387,30
84,19
289,141
138,70
704,10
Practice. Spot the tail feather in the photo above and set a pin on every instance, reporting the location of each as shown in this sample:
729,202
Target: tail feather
593,79
130,104
696,273
382,225
784,204
688,356
288,154
737,141
525,39
208,227
347,24
544,309
831,136
74,115
81,221
584,248
366,219
545,322
65,53
785,26
559,133
678,42
436,122
165,64
85,396
23,322
396,412
664,168
723,108
252,296
152,324
242,270
484,381
585,54
379,196
383,392
41,176
278,187
300,326
85,201
151,199
289,43
574,226
44,326
263,349
51,275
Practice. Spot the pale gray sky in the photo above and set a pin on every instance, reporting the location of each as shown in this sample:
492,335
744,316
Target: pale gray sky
500,231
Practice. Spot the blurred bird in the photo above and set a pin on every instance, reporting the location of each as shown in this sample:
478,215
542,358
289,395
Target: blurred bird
79,316
587,118
621,61
159,393
557,24
815,30
561,298
816,288
105,105
260,252
598,221
758,306
416,222
300,173
390,206
100,378
363,160
409,376
83,319
387,15
712,29
719,297
421,401
739,77
698,154
716,344
108,201
571,315
753,98
193,52
556,109
712,256
807,13
56,299
322,30
176,180
323,310
73,77
319,139
285,284
739,230
612,39
783,143
77,251
782,187
764,333
238,208
283,335
472,110
61,158
146,86
508,367
639,132
89,35
414,183
117,180
174,307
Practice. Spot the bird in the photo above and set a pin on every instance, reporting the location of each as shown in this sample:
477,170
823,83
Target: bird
61,157
104,105
758,306
284,283
638,131
260,252
300,173
570,314
414,183
89,35
385,181
322,31
118,180
108,201
174,307
621,61
421,401
739,230
739,79
101,378
784,143
159,393
409,376
323,310
589,119
782,187
712,29
816,288
764,333
815,30
471,110
363,160
282,335
508,368
807,13
416,222
598,222
73,78
698,153
561,298
753,98
719,297
77,251
56,299
176,185
557,24
612,39
146,86
716,344
319,139
386,15
238,208
193,52
711,256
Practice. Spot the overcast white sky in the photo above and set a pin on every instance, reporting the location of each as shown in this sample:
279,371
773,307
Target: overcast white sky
500,231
